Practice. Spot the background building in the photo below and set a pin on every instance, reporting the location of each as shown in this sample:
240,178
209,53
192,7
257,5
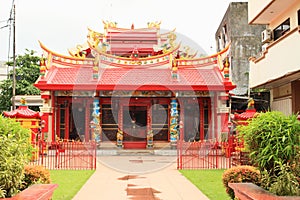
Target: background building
277,67
3,70
245,41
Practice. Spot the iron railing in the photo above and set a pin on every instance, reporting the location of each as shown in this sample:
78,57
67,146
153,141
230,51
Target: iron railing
65,155
210,154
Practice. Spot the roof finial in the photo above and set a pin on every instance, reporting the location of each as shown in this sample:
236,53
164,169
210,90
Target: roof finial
174,69
226,65
42,67
132,26
23,101
251,103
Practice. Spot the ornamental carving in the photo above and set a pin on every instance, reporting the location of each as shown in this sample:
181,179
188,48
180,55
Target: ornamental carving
136,93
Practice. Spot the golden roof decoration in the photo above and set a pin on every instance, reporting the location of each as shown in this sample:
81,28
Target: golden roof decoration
108,24
154,25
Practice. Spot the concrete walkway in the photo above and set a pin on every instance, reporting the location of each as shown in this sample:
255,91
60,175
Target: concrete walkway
138,178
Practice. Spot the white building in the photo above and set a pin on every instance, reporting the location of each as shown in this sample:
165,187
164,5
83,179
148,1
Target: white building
277,67
3,70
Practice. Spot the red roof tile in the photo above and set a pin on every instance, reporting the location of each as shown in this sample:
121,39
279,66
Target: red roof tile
110,78
22,112
250,113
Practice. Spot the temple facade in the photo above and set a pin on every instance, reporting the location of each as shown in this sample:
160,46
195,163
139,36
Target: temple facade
135,88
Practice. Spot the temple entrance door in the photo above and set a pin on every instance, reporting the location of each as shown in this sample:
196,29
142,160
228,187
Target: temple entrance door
135,126
62,120
72,119
77,122
191,122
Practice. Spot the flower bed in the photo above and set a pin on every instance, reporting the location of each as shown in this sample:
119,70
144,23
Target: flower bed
36,192
250,191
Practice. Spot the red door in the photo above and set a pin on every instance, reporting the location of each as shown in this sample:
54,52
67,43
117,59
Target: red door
62,120
135,125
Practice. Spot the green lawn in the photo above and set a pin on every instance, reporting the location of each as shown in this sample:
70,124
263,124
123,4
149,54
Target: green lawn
69,182
209,182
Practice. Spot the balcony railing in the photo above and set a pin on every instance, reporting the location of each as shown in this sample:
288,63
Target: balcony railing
280,57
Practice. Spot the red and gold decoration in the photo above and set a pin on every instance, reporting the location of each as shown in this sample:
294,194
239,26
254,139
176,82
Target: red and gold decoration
42,67
226,65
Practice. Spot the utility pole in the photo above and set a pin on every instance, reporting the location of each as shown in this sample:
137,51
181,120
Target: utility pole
14,59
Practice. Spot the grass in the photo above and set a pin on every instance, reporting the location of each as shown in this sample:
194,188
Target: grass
209,182
69,182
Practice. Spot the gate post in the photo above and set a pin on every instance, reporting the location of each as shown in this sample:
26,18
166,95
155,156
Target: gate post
179,146
95,123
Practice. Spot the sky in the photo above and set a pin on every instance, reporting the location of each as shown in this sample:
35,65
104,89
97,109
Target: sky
62,24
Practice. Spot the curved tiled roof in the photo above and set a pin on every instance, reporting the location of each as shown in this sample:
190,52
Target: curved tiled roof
125,78
250,113
22,112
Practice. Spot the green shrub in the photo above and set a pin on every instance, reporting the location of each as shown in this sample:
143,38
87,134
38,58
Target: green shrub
15,152
286,183
273,140
272,137
240,174
35,174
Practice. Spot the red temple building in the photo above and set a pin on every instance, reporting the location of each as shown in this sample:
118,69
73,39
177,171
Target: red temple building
135,88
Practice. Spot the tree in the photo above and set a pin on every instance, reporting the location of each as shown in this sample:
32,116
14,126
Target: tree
27,72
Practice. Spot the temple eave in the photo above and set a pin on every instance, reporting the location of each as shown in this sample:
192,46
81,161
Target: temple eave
56,87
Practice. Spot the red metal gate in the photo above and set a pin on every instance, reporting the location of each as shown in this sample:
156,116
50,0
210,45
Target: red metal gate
65,155
201,155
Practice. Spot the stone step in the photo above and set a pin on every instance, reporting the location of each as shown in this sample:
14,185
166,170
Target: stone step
135,152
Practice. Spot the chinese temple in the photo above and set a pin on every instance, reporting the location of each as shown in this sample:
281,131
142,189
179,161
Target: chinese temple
134,87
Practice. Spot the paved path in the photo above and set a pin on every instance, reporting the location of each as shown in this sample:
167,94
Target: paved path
138,178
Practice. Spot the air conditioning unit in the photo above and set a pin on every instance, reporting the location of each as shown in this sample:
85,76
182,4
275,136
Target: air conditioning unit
264,47
266,36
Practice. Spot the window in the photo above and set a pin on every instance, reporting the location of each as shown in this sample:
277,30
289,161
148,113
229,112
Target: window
298,17
281,29
224,36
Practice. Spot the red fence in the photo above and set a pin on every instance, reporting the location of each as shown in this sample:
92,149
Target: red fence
202,155
65,155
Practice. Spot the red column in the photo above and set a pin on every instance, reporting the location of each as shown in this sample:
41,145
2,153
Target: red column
87,120
215,103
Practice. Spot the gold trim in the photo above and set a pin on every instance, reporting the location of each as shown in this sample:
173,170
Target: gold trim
63,56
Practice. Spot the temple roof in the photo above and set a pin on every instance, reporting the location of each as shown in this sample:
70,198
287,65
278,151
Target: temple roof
249,114
133,59
22,112
70,78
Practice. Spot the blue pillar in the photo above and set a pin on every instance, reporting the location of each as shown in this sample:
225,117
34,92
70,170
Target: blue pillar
95,124
174,123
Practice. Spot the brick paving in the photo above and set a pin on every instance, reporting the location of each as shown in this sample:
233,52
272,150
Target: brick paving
138,178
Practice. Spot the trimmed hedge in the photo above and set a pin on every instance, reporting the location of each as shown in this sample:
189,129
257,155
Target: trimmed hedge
240,174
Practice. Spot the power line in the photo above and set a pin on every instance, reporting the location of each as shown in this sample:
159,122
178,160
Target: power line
4,26
9,23
1,21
